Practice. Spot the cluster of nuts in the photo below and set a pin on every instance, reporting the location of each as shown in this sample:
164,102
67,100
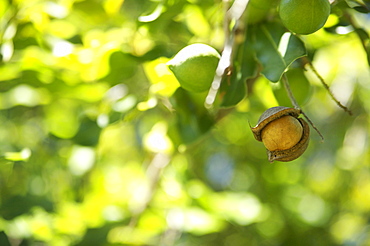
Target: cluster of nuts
284,135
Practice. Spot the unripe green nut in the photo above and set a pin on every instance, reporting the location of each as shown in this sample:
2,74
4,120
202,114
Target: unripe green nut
194,67
304,16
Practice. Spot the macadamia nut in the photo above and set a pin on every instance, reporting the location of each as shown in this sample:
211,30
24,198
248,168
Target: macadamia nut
282,133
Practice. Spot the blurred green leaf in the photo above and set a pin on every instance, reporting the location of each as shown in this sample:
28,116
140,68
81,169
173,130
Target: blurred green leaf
4,241
91,11
121,66
96,236
88,132
62,119
362,33
246,56
17,205
192,118
8,73
4,5
276,49
359,5
234,88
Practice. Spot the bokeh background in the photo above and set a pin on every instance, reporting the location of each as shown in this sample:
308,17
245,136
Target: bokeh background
100,146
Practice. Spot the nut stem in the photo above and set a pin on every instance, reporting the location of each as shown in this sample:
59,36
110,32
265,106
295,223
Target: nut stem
296,105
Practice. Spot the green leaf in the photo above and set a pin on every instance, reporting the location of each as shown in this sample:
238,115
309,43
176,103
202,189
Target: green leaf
364,36
119,62
359,6
235,89
17,205
92,12
192,120
62,118
88,132
4,239
249,65
276,49
96,236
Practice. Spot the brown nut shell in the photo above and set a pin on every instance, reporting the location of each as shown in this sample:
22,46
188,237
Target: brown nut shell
294,152
270,115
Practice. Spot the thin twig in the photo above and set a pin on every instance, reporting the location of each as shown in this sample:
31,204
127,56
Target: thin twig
296,105
326,86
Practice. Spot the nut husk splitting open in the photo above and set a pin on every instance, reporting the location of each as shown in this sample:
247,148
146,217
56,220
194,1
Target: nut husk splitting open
272,114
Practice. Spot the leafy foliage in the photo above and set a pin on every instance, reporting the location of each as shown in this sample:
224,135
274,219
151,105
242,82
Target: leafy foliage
99,144
276,49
